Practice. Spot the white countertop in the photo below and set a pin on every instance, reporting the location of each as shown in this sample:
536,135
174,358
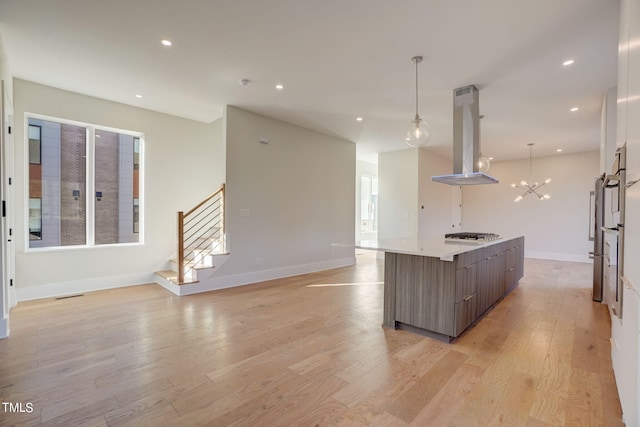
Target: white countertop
436,248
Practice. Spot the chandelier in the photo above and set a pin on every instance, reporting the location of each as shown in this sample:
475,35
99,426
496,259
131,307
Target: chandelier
419,130
531,187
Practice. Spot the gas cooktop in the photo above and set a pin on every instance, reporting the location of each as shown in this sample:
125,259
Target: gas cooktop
471,237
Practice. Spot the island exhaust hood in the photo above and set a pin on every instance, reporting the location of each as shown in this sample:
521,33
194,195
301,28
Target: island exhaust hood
466,140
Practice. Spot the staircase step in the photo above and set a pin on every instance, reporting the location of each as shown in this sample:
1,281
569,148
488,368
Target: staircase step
194,265
172,276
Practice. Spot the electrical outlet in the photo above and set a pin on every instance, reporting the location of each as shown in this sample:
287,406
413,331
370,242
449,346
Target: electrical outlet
258,260
244,212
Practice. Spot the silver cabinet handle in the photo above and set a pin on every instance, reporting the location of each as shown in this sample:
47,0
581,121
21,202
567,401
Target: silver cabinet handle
469,297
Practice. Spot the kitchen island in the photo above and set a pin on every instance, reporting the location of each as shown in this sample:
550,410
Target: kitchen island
440,287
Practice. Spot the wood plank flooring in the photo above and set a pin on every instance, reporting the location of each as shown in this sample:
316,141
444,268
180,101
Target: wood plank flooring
310,351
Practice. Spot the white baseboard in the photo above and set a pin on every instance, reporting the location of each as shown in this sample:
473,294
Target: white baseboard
60,289
13,299
4,328
231,281
558,256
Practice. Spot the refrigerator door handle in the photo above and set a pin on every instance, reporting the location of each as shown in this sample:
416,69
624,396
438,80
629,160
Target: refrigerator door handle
592,213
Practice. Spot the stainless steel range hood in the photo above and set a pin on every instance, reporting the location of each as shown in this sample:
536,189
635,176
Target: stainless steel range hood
466,140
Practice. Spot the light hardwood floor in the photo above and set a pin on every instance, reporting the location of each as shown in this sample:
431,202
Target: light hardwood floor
310,351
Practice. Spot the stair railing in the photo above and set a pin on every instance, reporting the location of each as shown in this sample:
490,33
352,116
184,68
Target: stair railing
201,232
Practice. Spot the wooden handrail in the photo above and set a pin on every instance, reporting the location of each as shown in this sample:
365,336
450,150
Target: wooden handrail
182,216
215,193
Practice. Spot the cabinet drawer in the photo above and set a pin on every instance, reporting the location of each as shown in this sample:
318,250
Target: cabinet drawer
466,313
465,282
467,258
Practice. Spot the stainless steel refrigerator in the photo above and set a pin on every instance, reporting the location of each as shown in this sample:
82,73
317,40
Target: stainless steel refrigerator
596,221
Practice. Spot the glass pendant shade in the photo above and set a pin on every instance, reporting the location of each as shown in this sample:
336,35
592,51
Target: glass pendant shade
418,133
484,163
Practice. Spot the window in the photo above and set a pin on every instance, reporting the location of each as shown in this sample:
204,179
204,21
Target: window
136,180
80,190
136,154
35,138
35,219
136,215
368,204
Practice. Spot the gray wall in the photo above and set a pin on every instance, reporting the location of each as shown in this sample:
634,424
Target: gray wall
290,203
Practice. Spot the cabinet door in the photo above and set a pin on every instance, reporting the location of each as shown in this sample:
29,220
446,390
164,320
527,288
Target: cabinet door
466,309
509,279
519,271
510,266
465,282
483,293
490,281
510,257
497,277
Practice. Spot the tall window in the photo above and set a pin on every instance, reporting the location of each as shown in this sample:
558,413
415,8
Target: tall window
66,162
35,184
368,204
136,180
35,141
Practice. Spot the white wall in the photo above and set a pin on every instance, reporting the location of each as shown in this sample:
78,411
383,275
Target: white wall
297,193
625,354
363,169
554,229
183,163
411,204
398,185
434,199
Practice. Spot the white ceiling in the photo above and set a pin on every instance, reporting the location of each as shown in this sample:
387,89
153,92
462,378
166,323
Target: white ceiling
338,59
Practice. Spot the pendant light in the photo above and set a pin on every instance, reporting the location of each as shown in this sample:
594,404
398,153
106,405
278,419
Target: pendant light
419,130
484,163
531,187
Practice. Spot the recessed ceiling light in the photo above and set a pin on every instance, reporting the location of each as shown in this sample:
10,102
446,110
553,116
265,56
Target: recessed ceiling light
279,87
166,42
359,119
568,62
559,150
138,96
574,109
490,158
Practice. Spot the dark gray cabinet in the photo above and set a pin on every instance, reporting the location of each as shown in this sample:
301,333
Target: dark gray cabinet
445,297
484,282
417,302
466,307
